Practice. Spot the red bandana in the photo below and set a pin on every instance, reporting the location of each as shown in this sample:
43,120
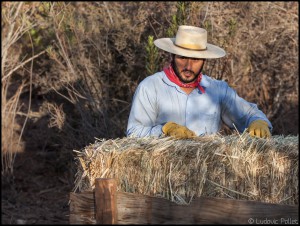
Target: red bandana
173,78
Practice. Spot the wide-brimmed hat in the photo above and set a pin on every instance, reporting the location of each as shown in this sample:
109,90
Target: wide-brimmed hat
190,41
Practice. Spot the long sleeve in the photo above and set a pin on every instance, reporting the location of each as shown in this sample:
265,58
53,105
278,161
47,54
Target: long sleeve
143,114
237,112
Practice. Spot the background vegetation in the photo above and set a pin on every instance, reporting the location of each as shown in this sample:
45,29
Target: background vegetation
70,69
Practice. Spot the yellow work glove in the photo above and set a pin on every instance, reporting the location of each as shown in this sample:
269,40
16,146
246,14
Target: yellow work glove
259,128
177,131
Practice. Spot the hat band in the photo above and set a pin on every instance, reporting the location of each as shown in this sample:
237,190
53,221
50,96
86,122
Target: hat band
191,47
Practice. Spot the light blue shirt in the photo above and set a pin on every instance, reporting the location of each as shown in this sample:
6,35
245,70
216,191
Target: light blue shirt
157,101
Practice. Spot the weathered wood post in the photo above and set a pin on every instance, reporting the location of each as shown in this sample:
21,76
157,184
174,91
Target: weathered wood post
106,201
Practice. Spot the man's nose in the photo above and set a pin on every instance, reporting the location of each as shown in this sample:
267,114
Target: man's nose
188,64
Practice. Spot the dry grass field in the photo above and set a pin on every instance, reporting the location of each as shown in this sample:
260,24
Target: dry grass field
69,71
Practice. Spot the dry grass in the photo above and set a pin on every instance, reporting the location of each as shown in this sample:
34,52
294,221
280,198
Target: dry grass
261,42
14,26
235,166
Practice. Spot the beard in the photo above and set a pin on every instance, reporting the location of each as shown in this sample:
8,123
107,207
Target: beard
192,79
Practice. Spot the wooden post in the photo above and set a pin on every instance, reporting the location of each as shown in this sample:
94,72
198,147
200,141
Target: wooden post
106,201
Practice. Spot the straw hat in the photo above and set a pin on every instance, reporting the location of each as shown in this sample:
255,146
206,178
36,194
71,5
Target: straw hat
190,41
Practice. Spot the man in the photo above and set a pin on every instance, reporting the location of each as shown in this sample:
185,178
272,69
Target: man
182,102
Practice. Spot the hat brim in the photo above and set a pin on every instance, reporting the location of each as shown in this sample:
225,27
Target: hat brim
212,51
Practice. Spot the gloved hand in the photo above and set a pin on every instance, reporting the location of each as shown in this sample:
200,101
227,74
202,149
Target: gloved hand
177,131
259,128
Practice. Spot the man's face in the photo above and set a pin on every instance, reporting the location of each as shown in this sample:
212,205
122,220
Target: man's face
187,69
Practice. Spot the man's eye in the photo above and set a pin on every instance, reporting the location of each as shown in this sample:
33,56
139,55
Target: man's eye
184,58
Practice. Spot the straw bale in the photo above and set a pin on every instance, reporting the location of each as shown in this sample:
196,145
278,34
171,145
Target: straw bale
234,166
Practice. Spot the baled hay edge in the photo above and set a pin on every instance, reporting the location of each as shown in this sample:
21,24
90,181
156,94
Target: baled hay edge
235,166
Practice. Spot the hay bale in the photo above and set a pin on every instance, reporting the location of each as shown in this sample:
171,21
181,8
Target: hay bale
235,166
